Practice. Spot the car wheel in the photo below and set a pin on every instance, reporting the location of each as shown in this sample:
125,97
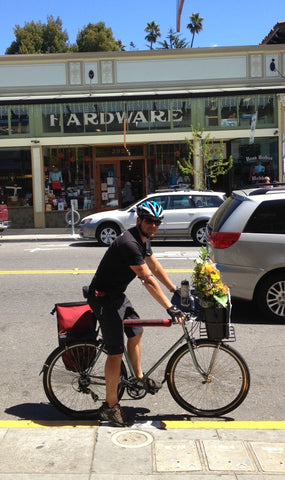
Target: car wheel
106,233
270,297
199,234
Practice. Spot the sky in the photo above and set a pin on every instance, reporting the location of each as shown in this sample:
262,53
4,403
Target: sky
226,23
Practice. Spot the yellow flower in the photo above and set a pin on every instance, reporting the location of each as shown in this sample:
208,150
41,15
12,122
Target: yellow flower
207,280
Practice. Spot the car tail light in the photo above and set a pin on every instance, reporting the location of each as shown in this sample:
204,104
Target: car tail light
223,239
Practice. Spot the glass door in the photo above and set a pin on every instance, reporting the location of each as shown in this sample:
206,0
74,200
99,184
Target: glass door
107,186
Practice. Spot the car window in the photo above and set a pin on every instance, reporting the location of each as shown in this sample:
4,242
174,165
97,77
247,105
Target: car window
269,217
161,200
178,202
223,213
204,201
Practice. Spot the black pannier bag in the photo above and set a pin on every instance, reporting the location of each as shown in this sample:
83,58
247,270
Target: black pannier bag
76,323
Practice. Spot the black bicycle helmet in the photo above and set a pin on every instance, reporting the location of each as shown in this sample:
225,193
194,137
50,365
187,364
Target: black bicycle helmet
150,209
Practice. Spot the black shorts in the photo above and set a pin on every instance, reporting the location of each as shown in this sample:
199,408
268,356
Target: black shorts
111,312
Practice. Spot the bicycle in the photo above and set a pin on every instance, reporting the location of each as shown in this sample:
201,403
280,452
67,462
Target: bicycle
207,378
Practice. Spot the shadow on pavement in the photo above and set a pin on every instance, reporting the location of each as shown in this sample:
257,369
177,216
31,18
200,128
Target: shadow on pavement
45,414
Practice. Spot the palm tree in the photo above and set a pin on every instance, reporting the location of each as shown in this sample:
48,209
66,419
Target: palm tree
153,31
174,41
195,25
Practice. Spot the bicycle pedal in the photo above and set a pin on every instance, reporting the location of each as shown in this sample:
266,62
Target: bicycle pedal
151,386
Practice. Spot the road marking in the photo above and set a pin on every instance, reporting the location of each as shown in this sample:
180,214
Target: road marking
47,424
76,271
49,247
247,425
183,424
176,255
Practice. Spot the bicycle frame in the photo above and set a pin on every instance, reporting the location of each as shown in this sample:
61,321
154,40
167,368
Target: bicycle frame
185,337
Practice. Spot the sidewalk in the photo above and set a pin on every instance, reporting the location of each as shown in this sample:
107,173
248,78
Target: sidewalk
145,451
38,234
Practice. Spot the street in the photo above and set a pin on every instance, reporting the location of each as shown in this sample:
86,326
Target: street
36,275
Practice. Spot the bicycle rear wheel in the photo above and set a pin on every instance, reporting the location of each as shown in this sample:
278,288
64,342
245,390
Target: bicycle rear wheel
74,379
222,391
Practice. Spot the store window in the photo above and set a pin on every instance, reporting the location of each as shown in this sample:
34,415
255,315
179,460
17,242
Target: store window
103,117
228,112
235,112
51,118
16,177
246,110
265,109
254,162
211,112
69,178
181,113
19,119
14,120
162,166
4,126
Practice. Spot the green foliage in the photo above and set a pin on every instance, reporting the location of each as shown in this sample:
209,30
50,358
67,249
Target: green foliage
173,41
96,37
153,32
38,37
195,25
212,162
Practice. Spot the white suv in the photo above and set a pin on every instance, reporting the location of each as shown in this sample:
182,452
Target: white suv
246,239
186,213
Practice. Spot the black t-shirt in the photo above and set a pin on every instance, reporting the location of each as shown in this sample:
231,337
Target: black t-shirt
114,273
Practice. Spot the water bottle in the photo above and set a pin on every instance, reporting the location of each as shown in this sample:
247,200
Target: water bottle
185,293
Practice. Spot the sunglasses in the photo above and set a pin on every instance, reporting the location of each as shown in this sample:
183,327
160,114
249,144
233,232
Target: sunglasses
151,221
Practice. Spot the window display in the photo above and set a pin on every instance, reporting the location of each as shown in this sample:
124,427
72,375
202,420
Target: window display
68,178
16,177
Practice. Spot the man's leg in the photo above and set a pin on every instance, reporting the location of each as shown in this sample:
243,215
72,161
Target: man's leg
112,377
134,352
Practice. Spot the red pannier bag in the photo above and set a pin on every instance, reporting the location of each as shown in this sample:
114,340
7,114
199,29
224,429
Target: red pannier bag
76,322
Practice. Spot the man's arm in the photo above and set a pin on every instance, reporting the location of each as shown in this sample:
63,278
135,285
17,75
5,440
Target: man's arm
158,271
144,273
151,284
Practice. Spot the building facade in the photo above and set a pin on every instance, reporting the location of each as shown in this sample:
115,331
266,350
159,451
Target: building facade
100,130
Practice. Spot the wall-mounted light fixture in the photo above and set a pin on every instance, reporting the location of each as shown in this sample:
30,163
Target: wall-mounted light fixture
91,76
273,68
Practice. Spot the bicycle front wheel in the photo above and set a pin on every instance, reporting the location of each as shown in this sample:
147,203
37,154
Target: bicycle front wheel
222,389
74,379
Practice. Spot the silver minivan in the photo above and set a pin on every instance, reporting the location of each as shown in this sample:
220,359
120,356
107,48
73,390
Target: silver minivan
246,240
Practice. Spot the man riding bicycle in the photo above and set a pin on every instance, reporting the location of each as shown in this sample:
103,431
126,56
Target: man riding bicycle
129,256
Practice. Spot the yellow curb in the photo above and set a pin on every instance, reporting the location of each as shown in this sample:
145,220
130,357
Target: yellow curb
47,424
44,272
169,424
76,271
246,425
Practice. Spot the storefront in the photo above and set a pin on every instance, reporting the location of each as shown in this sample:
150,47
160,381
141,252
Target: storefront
103,151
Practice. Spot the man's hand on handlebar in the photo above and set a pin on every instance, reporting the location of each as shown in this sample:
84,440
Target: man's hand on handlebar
176,315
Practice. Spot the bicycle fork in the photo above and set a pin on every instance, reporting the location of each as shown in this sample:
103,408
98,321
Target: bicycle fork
207,375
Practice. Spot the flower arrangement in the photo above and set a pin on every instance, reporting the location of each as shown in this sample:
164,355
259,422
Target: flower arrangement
207,281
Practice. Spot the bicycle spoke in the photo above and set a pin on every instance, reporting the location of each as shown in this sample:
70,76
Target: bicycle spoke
222,391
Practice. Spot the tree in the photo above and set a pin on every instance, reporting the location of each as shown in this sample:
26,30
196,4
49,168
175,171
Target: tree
212,162
96,37
174,41
38,37
153,32
195,25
